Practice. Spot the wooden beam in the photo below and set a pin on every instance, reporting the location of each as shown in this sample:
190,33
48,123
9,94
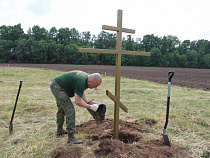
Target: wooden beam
91,50
112,28
110,51
112,97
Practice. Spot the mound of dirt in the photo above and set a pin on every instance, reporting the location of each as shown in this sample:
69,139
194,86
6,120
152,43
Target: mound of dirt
153,148
69,152
129,132
129,143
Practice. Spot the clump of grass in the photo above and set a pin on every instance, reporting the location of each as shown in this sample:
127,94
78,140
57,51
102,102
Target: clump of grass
34,121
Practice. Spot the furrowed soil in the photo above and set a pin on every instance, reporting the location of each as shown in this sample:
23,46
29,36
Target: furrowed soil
185,77
131,142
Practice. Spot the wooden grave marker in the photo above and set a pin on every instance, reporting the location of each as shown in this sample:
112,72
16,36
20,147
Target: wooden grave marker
118,52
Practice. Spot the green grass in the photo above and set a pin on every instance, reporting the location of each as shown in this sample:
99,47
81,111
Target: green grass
34,121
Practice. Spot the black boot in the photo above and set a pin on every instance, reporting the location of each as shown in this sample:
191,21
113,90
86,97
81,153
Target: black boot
60,130
73,139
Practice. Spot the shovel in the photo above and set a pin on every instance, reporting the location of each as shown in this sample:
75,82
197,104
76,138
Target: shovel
165,136
13,113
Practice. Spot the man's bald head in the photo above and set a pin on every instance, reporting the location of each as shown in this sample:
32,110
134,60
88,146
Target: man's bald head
94,80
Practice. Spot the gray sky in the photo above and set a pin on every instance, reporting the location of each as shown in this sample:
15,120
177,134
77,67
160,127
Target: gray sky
186,19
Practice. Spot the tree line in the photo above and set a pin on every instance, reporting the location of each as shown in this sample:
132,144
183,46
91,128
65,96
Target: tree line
60,46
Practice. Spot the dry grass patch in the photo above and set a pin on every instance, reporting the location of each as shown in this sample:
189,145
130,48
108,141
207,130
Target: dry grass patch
34,121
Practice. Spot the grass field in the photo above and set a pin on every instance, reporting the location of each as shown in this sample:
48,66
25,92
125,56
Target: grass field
34,121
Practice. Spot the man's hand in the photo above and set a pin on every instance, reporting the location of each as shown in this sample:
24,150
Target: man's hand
94,107
99,114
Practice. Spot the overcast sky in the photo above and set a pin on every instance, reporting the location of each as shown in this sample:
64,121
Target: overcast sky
186,19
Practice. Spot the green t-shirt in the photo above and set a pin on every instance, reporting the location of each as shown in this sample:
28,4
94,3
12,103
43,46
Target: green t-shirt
73,82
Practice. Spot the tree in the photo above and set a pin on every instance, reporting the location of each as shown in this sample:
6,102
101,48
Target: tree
184,47
86,37
53,51
176,58
11,32
60,46
82,58
164,45
74,35
201,59
207,60
61,56
170,60
52,33
156,57
150,41
174,42
203,45
38,53
63,36
192,58
22,50
182,62
38,33
129,43
105,41
17,32
6,50
71,52
193,45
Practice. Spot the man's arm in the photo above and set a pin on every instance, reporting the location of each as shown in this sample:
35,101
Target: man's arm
79,101
85,98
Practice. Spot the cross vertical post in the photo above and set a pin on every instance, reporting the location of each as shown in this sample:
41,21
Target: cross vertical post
118,53
118,74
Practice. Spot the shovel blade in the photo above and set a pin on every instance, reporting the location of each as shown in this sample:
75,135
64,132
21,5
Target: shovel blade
166,139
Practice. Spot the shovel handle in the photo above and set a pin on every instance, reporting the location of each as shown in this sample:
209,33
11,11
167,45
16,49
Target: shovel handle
13,113
170,75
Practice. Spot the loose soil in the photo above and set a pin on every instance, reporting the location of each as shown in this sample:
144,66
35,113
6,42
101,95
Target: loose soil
68,152
185,77
132,142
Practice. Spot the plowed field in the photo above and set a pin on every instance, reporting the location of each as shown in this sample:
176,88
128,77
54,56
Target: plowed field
192,78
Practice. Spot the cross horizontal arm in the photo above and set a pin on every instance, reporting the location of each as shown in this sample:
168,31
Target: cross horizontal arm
112,28
91,50
110,51
135,53
111,96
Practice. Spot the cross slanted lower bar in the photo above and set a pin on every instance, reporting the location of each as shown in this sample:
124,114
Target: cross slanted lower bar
118,52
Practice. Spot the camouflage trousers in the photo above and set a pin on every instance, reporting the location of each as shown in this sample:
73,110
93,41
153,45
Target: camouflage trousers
65,107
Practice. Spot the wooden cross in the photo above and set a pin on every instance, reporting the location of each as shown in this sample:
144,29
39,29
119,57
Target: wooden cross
118,52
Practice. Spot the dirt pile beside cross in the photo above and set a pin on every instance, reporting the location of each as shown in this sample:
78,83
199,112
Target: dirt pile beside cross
131,143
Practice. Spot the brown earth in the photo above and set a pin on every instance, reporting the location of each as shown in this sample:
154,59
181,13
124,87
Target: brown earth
68,152
132,142
185,77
